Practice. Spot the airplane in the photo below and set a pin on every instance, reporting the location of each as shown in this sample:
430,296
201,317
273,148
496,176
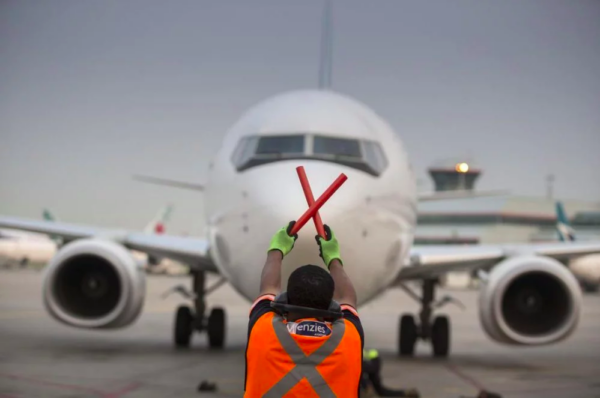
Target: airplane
24,248
528,296
585,268
157,224
563,227
48,215
27,248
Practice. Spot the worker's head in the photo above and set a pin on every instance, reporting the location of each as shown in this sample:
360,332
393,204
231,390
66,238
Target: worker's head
310,286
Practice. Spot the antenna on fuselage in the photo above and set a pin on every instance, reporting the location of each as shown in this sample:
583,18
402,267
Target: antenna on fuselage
325,61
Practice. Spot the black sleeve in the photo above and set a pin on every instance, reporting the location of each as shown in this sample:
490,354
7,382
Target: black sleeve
260,308
356,322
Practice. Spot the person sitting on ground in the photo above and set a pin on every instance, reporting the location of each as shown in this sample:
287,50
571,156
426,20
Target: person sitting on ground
371,378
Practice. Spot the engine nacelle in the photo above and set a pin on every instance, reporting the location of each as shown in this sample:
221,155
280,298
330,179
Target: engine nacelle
529,300
94,283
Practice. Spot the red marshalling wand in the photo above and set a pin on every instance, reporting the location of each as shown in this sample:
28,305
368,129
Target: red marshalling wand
315,205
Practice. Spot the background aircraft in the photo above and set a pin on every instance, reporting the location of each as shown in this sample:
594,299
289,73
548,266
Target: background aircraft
25,248
585,268
156,225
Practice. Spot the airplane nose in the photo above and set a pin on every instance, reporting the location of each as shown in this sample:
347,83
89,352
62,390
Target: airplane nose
282,196
272,197
372,240
281,199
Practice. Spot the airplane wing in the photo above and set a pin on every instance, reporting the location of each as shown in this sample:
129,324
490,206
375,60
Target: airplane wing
433,261
191,251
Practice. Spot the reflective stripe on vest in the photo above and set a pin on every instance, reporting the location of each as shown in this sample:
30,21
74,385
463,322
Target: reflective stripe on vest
305,365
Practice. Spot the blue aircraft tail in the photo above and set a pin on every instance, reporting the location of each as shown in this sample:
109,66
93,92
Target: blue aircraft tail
563,227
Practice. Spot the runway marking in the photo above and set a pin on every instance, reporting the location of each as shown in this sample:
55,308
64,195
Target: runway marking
466,378
100,393
125,390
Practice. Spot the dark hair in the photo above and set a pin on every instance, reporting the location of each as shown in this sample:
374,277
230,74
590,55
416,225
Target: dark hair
310,286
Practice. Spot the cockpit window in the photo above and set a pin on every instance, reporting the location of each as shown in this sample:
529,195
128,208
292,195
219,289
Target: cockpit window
367,156
336,147
280,145
374,155
244,151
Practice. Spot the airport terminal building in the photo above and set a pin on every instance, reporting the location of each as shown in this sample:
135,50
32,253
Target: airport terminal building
495,218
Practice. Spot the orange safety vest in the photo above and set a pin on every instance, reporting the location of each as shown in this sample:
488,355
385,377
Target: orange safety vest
281,364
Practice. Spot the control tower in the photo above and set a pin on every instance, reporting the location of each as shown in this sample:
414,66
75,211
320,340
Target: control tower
454,176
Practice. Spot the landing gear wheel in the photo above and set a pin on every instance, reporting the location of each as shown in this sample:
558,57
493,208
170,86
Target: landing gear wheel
407,337
440,336
184,326
216,328
589,287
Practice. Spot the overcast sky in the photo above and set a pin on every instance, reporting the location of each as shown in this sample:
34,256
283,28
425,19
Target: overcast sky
92,92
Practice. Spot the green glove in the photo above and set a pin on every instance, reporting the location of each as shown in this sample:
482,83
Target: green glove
282,241
329,249
370,354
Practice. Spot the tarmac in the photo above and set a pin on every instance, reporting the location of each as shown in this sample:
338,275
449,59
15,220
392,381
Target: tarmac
42,358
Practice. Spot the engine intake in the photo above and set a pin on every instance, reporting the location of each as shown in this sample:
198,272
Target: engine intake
94,283
530,300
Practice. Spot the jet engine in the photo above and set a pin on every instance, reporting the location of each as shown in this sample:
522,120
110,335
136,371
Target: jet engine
529,300
94,283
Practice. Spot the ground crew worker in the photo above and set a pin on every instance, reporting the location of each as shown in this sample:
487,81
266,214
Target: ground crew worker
302,343
371,378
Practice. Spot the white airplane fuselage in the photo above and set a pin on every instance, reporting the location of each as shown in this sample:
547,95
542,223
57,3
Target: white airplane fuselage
587,270
373,216
26,247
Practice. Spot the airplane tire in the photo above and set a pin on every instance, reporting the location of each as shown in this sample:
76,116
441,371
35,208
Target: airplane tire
184,326
216,328
407,336
589,287
440,336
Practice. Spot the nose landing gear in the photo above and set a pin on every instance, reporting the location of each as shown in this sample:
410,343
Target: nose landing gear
187,320
434,329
